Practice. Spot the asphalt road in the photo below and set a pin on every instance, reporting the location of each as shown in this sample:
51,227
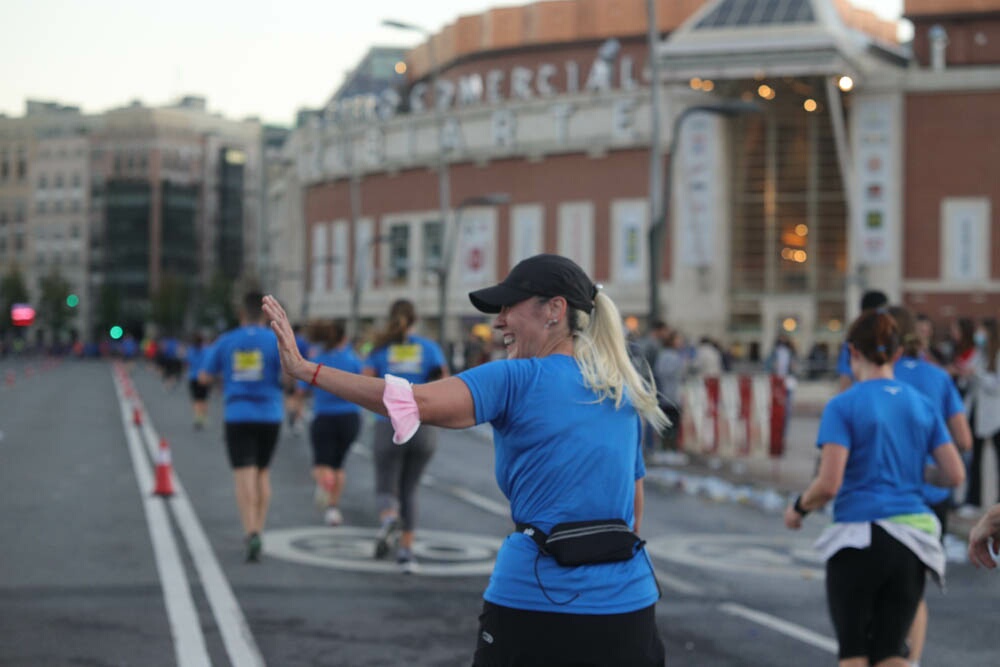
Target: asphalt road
94,570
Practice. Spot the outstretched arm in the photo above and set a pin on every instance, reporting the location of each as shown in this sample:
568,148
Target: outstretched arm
445,403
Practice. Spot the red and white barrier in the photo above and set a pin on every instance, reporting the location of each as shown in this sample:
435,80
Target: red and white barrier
733,416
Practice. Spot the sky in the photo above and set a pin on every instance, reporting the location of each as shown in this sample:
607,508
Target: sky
264,58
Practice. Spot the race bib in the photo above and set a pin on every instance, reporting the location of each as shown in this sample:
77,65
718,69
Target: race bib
248,366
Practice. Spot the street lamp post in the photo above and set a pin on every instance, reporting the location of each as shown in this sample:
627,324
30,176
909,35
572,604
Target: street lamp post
657,231
448,243
444,180
360,276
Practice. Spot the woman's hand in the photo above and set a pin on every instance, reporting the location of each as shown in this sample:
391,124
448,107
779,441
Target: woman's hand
291,359
987,528
793,520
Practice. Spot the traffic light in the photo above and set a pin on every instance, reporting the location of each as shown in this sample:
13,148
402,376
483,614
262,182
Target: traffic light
22,315
72,301
116,332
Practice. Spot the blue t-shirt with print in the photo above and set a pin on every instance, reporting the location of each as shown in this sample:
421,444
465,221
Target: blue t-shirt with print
889,428
247,359
325,403
939,388
560,456
415,359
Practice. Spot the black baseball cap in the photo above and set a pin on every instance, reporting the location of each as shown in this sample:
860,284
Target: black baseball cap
541,275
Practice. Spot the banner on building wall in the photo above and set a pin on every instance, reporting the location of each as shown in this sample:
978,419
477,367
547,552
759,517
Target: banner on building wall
874,157
339,256
527,223
576,233
629,242
698,190
965,239
475,257
320,251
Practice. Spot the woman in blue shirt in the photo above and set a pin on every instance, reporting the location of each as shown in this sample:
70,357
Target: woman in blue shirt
398,468
566,409
336,422
874,439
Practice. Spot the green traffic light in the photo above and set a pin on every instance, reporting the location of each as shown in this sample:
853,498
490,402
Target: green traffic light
72,301
116,332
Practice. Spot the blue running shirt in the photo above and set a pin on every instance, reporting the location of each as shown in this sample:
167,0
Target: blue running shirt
939,388
889,428
414,360
247,359
325,403
560,456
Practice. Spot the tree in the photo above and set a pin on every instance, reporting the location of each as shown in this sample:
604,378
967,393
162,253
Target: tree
12,290
52,308
217,308
109,309
168,305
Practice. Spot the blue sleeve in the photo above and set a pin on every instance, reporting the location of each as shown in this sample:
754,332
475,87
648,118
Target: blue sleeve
844,361
211,363
941,436
953,401
833,425
376,361
488,383
436,355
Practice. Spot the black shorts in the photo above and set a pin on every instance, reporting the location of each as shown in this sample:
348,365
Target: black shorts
172,367
198,391
873,595
332,436
509,637
251,444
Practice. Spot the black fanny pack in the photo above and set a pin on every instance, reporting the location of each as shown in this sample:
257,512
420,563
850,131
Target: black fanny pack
586,542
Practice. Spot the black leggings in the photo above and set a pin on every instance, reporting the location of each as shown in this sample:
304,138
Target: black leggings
518,638
873,595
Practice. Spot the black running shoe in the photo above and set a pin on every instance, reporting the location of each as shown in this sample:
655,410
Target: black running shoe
253,548
387,537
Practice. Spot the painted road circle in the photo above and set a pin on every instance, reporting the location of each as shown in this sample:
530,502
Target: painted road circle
776,556
439,553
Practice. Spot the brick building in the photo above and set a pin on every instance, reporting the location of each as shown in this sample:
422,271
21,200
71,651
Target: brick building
864,163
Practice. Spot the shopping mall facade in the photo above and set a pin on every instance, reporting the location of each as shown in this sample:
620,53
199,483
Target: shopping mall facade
805,156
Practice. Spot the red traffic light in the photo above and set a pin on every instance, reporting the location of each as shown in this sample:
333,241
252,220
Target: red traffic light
22,315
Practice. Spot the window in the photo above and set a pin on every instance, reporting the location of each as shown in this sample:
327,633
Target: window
433,244
59,181
399,254
43,182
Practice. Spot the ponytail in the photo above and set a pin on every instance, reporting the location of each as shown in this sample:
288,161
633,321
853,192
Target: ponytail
600,351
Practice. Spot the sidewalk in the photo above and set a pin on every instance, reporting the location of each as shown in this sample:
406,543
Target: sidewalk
765,483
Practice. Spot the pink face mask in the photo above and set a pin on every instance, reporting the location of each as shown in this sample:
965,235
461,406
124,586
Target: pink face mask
402,408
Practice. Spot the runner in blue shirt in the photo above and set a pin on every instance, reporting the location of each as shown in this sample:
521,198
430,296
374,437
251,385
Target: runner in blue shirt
566,408
874,439
400,352
194,356
938,387
870,299
246,359
336,422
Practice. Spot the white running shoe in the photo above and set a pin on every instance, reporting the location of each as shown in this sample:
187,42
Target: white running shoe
333,517
407,563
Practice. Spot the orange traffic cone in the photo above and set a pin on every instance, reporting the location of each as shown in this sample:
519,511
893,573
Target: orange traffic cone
164,471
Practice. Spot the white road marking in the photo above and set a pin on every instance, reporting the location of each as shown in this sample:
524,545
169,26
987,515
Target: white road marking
792,630
189,641
679,585
233,627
